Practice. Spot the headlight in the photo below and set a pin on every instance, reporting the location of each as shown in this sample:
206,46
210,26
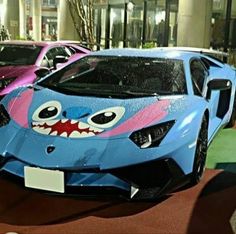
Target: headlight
4,82
151,136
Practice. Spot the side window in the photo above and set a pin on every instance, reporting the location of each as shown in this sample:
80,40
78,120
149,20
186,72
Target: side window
198,75
51,54
45,62
63,51
72,50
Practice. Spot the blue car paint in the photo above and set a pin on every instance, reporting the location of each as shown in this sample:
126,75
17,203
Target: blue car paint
99,152
102,152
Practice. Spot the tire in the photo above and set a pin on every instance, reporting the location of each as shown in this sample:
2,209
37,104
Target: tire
232,120
200,153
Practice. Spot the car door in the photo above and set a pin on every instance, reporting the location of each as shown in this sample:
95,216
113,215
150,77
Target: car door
200,76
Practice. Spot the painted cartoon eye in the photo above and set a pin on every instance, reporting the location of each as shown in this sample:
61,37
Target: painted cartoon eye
107,118
47,111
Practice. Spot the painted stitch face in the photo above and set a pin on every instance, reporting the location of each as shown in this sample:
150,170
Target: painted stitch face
60,118
76,122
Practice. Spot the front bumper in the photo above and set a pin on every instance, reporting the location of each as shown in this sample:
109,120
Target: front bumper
141,181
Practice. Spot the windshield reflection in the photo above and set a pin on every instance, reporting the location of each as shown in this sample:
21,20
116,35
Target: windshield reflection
120,76
18,54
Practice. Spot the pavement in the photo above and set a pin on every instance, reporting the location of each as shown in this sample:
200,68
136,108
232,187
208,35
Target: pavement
209,207
221,155
205,208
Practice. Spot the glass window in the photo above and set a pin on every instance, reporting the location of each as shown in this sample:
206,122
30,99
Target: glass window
135,23
155,14
49,3
18,54
117,25
173,23
51,54
121,76
100,15
218,23
198,75
156,24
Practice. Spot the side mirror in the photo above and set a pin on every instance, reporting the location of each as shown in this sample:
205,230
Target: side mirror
41,72
218,84
59,59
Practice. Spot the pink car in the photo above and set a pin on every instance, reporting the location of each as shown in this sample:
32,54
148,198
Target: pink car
19,60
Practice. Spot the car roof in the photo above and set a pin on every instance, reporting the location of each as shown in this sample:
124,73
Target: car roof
151,53
195,49
32,43
182,53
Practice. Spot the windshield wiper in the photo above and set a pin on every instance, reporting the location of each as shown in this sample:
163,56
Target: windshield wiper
135,93
112,90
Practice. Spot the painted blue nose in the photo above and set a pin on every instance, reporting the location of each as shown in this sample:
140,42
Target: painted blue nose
76,112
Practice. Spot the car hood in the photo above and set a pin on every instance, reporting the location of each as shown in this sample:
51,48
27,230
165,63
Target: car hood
51,129
13,71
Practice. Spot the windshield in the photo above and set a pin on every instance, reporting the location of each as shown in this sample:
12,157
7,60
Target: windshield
117,76
18,54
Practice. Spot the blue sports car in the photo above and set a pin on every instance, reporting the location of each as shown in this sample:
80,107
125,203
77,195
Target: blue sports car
128,120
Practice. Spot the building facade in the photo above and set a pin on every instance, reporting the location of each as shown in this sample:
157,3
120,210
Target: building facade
128,23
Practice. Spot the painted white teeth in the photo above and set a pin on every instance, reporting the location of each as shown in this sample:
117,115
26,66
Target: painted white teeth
64,134
95,129
45,131
53,133
38,123
74,121
85,134
82,125
75,134
36,128
80,133
52,122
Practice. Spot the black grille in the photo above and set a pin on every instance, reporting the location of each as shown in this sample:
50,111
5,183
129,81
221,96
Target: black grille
156,173
4,116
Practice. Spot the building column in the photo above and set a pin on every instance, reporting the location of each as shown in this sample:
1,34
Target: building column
66,29
2,12
37,20
11,18
194,23
22,20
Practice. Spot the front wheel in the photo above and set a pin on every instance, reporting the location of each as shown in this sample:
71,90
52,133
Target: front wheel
200,153
232,120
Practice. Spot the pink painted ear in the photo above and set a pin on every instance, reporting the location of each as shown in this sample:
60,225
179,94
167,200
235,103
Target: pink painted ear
18,108
150,114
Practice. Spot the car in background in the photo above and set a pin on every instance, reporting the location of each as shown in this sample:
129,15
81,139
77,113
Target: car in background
19,60
134,121
78,43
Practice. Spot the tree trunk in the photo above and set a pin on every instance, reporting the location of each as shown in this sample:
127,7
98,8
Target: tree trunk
82,14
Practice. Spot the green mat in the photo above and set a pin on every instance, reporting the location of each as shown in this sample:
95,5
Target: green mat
222,151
